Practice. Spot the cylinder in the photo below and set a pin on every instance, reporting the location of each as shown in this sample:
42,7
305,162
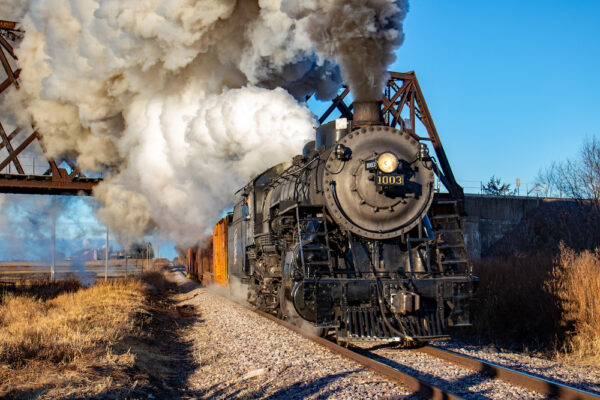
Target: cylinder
367,113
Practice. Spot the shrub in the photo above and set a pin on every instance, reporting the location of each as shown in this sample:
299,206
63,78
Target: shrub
576,285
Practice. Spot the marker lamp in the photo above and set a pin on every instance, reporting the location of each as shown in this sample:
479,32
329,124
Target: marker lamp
387,163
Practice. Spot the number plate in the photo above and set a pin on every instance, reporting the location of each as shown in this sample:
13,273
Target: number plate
389,180
371,165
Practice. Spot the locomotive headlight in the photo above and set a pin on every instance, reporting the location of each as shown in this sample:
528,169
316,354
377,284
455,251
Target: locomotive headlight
387,163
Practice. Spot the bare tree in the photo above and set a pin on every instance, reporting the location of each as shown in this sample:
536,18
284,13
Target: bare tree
580,178
547,178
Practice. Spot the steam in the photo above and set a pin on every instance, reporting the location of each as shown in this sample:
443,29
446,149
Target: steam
206,157
27,223
180,102
13,10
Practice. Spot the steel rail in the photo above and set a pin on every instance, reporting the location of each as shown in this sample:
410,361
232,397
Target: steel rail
538,384
417,386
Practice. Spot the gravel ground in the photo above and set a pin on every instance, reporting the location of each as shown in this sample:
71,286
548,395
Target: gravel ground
584,377
240,355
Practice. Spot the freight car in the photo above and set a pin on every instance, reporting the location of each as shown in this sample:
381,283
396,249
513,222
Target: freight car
207,262
351,236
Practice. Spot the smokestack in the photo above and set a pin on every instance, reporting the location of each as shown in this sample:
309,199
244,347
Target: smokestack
367,113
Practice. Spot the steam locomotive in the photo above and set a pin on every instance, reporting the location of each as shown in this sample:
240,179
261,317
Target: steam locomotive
350,237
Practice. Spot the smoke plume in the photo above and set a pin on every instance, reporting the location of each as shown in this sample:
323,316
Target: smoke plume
360,35
180,102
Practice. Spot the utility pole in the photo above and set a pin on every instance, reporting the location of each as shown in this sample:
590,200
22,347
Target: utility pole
106,257
53,255
147,246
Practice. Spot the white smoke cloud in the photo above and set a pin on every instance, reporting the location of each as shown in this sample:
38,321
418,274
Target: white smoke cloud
205,157
182,99
12,10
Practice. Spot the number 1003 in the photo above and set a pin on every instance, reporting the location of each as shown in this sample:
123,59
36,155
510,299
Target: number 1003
389,180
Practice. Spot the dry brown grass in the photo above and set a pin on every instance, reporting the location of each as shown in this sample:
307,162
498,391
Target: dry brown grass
105,341
576,284
71,324
540,284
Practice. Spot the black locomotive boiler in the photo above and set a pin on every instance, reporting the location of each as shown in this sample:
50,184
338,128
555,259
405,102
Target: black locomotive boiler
352,236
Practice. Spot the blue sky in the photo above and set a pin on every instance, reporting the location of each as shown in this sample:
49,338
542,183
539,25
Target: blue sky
511,85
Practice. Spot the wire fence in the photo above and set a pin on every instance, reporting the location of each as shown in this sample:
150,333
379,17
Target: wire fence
479,187
87,272
37,166
32,166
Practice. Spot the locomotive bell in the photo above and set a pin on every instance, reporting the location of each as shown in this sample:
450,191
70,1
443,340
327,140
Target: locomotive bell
309,149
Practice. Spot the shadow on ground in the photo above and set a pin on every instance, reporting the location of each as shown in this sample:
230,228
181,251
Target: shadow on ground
299,390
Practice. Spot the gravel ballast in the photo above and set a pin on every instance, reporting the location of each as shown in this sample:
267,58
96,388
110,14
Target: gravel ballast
241,355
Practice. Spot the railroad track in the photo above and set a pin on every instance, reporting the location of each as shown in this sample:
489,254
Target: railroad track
418,386
546,387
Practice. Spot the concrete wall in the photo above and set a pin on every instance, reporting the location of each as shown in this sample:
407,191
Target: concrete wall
490,218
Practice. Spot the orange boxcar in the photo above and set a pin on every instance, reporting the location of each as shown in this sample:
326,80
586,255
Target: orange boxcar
219,259
207,262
